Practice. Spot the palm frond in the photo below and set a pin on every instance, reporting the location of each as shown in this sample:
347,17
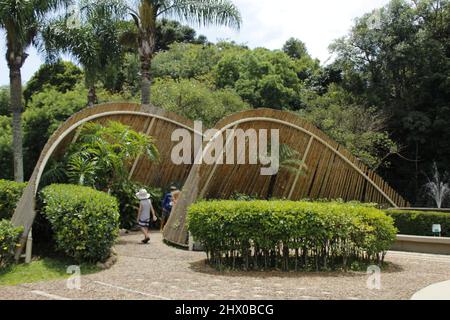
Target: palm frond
203,12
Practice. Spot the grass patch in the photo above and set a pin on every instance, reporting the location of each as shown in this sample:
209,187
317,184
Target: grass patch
40,270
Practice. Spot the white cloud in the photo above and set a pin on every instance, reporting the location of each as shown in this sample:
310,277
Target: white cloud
317,23
269,23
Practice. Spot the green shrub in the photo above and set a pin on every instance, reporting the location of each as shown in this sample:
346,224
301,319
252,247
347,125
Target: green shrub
85,222
419,223
10,193
9,240
306,235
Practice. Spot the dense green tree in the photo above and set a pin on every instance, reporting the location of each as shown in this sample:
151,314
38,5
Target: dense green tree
295,48
186,61
397,59
62,76
262,77
362,130
170,31
21,20
6,152
145,15
4,101
195,100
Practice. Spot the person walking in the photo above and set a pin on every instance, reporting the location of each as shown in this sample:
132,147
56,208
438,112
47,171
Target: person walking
143,217
167,205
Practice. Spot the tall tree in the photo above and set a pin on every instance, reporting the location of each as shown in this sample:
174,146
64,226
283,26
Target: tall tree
397,59
21,20
93,41
295,48
203,12
63,76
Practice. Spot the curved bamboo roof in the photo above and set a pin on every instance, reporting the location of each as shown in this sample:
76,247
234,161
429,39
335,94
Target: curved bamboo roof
332,172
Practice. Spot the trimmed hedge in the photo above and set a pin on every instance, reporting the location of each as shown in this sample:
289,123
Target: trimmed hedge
9,240
419,223
85,222
10,193
290,235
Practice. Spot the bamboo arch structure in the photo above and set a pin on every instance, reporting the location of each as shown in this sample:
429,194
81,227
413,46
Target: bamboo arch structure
332,172
150,120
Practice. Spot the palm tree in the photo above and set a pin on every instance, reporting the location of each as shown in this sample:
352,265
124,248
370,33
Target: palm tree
21,20
93,42
203,12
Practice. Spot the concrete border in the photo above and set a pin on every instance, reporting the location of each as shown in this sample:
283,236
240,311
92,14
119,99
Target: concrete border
433,245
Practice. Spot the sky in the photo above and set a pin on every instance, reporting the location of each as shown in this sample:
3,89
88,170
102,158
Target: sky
266,23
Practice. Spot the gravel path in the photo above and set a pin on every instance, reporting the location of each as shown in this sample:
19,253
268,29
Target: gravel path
158,271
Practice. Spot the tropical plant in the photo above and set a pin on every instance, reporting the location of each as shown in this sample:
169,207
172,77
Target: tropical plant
93,41
21,20
103,155
145,15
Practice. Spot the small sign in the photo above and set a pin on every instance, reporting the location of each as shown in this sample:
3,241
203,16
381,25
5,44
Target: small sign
437,228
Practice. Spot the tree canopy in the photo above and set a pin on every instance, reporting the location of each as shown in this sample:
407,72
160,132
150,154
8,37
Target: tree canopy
397,59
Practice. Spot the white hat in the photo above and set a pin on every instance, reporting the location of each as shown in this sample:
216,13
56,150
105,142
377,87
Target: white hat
143,194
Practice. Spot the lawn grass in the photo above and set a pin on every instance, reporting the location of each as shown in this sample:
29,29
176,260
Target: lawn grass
40,270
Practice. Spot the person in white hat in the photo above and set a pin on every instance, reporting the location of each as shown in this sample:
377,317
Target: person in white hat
143,218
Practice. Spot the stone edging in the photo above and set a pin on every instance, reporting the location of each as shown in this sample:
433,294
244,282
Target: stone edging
109,262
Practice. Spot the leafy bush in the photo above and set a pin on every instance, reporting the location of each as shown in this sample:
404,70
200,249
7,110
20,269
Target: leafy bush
306,235
10,193
85,222
9,240
419,223
6,154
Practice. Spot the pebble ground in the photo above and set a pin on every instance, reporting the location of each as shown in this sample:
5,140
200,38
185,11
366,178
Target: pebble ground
158,272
